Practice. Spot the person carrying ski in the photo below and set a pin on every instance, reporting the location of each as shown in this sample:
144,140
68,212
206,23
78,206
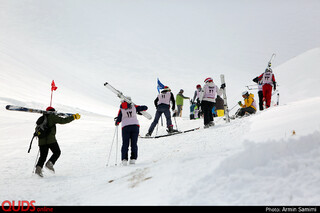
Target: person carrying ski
50,141
249,105
179,101
268,80
130,130
162,103
208,98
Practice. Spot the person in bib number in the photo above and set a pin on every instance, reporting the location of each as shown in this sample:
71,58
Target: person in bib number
130,130
207,98
162,103
268,80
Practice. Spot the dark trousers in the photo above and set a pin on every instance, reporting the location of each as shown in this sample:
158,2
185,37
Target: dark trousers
161,109
260,93
241,112
130,134
44,149
206,107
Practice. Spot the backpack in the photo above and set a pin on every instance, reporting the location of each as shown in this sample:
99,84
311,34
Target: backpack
42,129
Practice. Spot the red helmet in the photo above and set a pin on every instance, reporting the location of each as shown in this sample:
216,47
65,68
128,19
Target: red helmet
166,88
208,80
50,108
198,86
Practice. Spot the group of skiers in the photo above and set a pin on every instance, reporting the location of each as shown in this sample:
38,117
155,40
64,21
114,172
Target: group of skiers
266,81
205,98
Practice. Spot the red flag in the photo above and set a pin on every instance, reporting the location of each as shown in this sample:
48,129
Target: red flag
53,86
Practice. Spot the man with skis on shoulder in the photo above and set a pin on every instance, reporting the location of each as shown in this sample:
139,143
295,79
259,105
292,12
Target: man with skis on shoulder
162,104
49,141
130,130
268,80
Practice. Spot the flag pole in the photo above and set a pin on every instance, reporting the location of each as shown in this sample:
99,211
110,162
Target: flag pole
51,97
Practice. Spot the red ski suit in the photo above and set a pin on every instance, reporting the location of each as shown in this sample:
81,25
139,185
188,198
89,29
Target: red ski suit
267,88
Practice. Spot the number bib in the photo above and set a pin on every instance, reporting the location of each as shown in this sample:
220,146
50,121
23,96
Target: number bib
129,117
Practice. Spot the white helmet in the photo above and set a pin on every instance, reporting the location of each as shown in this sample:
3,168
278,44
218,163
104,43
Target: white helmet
245,93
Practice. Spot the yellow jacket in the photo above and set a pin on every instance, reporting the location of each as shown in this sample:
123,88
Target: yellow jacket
249,102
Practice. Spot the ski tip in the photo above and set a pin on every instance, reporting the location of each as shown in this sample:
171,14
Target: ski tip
8,106
105,84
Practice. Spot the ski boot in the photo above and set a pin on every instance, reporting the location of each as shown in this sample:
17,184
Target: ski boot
170,130
49,165
124,162
39,171
132,161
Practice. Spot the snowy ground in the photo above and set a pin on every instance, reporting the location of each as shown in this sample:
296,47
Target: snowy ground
251,161
270,158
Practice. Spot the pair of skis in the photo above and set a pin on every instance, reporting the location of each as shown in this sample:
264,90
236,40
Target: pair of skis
125,98
26,109
170,134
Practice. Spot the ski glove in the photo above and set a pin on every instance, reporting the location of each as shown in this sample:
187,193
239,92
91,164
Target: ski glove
76,116
240,103
223,86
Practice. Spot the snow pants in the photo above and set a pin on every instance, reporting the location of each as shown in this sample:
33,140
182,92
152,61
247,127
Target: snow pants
207,107
260,94
44,150
267,93
161,109
241,112
179,113
130,137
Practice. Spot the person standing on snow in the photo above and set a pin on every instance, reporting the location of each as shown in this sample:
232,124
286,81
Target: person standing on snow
130,130
179,101
260,92
208,98
249,105
196,95
162,103
268,80
50,141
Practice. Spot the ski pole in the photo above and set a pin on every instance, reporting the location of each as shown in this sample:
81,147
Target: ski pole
233,107
157,129
114,134
35,163
175,122
117,141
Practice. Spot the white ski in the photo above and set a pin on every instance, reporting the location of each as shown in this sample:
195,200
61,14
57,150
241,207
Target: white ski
271,59
226,110
121,96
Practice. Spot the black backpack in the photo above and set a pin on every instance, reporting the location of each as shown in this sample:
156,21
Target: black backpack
42,129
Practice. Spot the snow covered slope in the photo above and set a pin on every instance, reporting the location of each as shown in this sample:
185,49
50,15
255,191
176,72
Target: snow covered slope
267,159
256,160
